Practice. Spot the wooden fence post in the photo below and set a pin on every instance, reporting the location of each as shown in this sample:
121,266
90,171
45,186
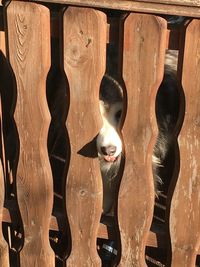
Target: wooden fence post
29,54
84,63
143,65
185,205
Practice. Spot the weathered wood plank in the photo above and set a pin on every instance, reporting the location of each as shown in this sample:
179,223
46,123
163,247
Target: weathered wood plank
182,8
143,61
84,63
190,3
185,205
29,55
2,43
4,254
2,54
175,2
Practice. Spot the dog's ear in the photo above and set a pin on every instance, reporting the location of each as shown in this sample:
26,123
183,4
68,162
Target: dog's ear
89,150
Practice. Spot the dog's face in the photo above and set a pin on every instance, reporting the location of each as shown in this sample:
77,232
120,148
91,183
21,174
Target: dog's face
109,144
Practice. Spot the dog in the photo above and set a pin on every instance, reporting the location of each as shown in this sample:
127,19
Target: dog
109,143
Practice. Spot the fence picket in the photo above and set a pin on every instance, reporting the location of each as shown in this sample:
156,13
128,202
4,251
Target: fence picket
185,206
29,54
84,63
143,61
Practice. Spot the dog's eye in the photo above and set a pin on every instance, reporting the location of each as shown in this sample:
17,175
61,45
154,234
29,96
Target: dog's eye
118,115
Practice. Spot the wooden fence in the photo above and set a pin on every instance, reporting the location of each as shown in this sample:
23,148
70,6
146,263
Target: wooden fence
52,59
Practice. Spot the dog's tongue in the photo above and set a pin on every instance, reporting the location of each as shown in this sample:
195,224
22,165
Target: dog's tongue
110,158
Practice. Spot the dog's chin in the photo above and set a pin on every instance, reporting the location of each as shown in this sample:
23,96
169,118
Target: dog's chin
109,166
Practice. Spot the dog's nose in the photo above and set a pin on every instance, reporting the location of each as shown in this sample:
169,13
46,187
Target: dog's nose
108,150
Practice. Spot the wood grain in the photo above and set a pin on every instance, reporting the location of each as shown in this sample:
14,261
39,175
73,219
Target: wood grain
84,63
188,8
2,42
3,155
143,61
175,2
185,205
29,54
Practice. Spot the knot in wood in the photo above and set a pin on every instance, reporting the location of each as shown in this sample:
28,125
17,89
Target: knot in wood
82,192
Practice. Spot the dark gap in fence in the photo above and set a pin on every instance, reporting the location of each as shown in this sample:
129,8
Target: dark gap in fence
13,232
9,139
58,147
113,69
120,42
155,257
1,19
198,261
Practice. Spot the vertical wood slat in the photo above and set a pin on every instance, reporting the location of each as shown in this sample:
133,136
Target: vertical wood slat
2,54
185,205
2,43
84,63
29,54
4,254
143,61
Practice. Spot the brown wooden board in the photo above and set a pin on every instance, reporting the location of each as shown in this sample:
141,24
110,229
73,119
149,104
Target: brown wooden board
2,42
182,8
185,205
191,3
143,61
174,2
84,63
3,53
29,54
4,254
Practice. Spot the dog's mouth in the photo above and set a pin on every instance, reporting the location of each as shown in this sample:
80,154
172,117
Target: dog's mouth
110,158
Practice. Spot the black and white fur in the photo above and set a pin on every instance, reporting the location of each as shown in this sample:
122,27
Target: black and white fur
109,144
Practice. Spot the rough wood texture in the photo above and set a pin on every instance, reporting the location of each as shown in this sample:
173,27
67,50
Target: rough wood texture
2,55
2,42
143,63
29,48
4,254
174,2
185,206
177,7
84,63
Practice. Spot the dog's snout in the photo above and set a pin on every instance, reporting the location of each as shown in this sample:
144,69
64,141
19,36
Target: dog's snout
108,150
